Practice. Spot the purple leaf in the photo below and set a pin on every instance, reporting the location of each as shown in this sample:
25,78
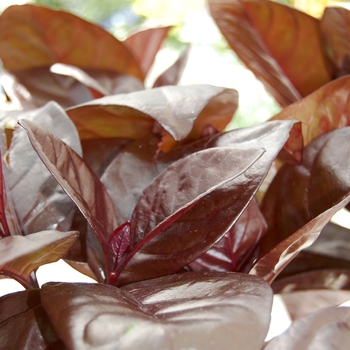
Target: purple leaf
120,240
191,310
186,209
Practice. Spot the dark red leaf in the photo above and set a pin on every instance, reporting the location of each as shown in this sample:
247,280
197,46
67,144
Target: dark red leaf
237,249
4,228
300,193
325,329
120,239
145,45
191,310
78,180
187,208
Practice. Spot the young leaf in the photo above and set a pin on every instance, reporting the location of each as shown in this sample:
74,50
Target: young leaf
191,310
325,329
33,36
270,265
237,249
77,180
39,201
120,240
176,108
324,110
281,45
20,255
186,209
335,28
145,45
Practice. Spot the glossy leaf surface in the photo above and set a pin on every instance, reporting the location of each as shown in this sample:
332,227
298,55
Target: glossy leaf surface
174,107
216,311
270,265
58,36
186,209
324,110
279,44
39,201
76,178
335,28
236,250
326,329
145,45
130,173
20,255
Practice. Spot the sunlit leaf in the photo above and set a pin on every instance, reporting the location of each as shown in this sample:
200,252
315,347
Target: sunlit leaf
325,329
335,27
20,255
324,110
281,45
176,108
59,37
192,310
145,45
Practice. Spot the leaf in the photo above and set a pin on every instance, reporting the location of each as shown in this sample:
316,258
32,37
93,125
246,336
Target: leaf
4,228
77,180
20,255
145,45
192,310
281,45
59,37
176,108
237,249
270,265
34,87
39,201
120,240
173,74
186,209
335,28
130,173
325,329
24,323
324,110
300,193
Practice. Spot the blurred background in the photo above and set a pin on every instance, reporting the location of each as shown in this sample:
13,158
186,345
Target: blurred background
211,61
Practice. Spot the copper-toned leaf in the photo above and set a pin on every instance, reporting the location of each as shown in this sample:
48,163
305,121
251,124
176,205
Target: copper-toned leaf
173,74
324,110
237,249
20,255
281,45
176,108
335,27
327,328
77,179
33,36
270,265
186,209
145,45
39,201
192,310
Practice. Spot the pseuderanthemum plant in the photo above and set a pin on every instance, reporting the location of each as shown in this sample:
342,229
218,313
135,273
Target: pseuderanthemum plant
177,220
